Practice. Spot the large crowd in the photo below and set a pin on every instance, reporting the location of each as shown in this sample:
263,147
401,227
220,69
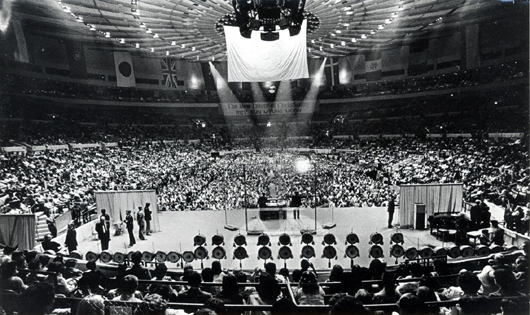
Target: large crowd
33,283
509,71
187,177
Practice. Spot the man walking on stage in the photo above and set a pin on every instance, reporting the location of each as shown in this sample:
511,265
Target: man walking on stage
129,222
391,208
147,212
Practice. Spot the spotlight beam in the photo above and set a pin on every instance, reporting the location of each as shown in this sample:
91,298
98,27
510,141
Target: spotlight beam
225,96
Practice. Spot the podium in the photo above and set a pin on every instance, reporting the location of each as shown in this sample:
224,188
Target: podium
419,216
272,213
274,210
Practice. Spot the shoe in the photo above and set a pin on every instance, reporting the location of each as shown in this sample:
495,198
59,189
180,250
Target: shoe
130,246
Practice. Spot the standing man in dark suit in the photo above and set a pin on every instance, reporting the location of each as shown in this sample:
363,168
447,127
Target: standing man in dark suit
129,222
296,202
71,238
148,217
107,217
103,233
391,208
262,201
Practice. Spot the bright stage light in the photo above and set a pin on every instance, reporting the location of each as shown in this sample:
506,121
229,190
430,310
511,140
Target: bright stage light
302,165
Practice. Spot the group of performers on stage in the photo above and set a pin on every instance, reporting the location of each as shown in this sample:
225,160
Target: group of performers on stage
143,219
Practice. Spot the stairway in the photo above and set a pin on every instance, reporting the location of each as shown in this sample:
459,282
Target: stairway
42,227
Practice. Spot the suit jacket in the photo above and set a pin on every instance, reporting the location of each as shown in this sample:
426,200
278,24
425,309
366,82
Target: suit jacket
102,234
147,214
129,221
71,238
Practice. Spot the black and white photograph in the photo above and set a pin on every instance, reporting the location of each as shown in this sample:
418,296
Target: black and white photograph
264,157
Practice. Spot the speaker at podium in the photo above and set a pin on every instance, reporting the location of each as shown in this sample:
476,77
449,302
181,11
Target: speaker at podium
419,216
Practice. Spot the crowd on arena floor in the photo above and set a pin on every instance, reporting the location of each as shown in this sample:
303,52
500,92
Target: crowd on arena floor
34,283
187,177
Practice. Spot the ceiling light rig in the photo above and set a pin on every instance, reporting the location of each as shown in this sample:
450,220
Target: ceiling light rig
350,31
267,16
344,28
78,18
230,19
156,36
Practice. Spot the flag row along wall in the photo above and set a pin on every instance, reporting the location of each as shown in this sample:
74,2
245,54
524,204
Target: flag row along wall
471,47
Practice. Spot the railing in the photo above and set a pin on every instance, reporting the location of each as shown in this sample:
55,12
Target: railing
62,301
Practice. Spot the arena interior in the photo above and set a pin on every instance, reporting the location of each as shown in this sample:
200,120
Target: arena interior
264,157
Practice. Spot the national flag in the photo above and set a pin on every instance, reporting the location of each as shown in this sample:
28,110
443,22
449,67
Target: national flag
76,60
256,60
124,69
169,72
331,70
373,66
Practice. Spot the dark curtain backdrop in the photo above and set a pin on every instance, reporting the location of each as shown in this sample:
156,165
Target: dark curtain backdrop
18,229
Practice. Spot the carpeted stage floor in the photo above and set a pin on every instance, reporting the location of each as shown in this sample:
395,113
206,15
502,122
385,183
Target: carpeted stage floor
179,228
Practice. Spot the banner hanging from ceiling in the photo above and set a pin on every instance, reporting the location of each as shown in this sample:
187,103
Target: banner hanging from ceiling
124,69
256,60
268,108
373,65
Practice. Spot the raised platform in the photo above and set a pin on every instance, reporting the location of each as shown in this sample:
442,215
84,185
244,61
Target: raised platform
179,229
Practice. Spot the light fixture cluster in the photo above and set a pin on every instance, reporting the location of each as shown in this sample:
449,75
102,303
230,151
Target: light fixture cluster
136,14
142,25
349,11
229,19
91,27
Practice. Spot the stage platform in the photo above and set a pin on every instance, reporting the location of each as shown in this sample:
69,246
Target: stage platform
179,228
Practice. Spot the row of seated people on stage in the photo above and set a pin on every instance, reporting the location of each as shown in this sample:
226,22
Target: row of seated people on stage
490,170
38,284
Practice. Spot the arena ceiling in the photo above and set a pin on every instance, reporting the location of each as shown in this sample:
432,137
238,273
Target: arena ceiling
189,29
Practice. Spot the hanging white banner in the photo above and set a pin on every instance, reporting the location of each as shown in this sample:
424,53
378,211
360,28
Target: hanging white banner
255,60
